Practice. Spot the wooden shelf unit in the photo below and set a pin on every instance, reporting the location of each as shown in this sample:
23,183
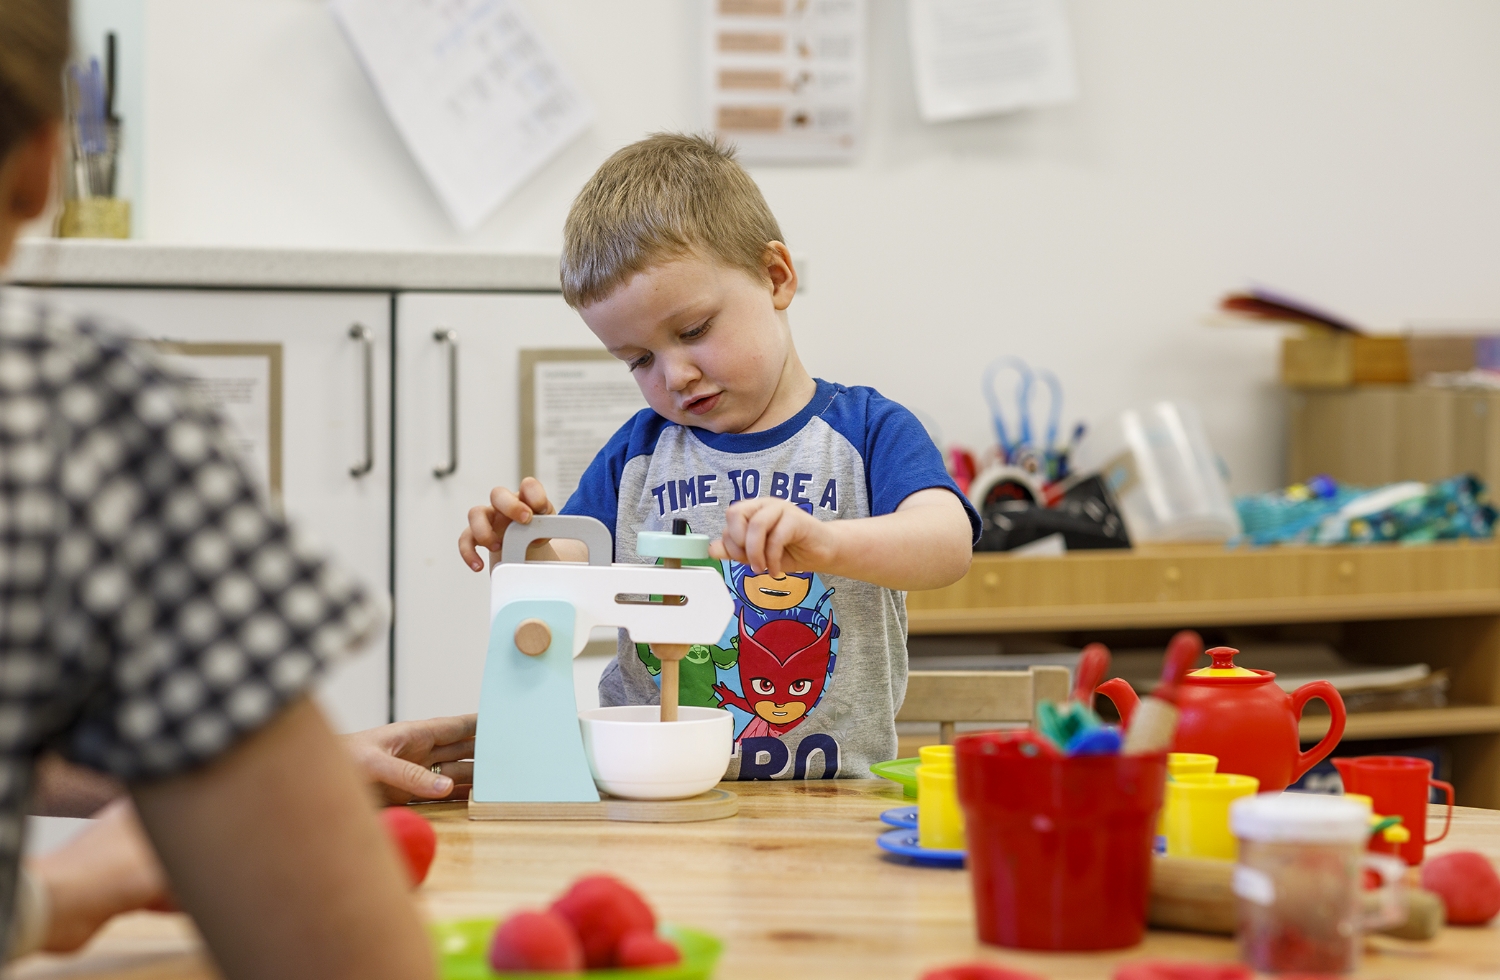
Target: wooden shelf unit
1437,604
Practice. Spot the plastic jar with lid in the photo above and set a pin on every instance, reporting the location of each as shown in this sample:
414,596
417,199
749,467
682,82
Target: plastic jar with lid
1299,879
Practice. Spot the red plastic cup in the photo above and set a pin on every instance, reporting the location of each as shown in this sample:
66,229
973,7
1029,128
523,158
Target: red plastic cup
1397,786
1059,847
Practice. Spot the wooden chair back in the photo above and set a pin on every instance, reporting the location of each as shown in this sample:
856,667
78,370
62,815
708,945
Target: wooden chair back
951,696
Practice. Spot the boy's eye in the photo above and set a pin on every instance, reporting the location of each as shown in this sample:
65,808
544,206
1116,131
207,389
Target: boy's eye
638,362
697,331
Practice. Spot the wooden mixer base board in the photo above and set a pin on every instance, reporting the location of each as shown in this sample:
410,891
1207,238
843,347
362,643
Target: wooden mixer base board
716,804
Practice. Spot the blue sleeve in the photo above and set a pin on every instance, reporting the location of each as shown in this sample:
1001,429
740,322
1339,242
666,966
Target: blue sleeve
900,459
598,492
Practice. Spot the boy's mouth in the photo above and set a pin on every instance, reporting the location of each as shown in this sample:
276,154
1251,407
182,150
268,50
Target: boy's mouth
702,405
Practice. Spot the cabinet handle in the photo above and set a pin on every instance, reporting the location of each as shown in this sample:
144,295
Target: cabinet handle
361,333
445,336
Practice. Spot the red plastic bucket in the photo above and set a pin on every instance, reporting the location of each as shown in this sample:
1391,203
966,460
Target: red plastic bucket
1059,848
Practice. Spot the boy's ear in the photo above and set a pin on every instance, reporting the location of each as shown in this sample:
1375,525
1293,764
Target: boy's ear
26,176
781,273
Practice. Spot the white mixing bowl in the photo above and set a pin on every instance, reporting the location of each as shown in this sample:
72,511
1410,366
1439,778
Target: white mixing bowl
634,756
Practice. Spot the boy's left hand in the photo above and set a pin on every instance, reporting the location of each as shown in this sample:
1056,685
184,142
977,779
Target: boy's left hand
771,534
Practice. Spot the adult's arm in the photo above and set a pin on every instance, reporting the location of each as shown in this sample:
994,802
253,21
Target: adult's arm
274,850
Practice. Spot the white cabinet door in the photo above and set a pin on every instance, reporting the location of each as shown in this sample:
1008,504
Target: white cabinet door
442,606
323,431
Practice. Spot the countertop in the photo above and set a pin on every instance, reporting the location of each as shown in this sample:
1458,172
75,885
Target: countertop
793,884
88,262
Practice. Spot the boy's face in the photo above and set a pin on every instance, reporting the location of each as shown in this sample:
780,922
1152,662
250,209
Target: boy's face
706,342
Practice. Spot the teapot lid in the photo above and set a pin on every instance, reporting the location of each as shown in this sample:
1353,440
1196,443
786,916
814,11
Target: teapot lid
1223,665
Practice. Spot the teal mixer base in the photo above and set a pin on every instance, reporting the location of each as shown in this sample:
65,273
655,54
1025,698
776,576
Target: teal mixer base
528,748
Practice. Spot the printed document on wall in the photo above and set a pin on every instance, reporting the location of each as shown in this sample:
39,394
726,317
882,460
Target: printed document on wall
979,57
785,79
474,90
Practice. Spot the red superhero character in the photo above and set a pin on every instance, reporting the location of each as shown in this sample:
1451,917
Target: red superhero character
783,666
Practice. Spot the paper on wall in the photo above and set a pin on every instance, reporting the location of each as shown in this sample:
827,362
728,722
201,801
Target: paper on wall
785,79
578,406
475,92
979,57
240,388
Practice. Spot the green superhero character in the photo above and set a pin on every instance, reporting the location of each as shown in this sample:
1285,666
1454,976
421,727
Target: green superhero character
697,673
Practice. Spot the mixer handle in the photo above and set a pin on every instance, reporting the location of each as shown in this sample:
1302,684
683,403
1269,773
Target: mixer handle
594,535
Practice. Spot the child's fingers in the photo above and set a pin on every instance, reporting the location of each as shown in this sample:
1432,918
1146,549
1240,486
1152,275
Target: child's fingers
487,527
782,537
757,529
732,541
510,506
534,496
468,552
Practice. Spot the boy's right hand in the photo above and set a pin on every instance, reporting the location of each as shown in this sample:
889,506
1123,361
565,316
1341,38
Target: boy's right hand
487,524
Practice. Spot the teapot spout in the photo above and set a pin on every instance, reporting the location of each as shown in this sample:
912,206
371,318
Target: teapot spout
1122,696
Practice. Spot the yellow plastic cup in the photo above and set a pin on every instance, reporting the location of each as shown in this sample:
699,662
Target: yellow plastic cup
940,821
939,755
1181,764
1186,763
1198,814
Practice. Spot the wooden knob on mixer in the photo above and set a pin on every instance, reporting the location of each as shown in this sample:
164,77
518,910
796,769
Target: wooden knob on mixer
533,637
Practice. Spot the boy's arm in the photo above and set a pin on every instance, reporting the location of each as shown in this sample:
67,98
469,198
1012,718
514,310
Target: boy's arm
926,543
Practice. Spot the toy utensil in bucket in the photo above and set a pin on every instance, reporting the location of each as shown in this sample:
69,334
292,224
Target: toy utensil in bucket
1059,846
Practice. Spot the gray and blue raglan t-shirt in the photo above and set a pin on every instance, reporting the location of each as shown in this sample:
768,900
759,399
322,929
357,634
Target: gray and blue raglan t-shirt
813,667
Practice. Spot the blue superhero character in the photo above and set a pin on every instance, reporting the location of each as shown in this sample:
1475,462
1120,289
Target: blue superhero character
765,597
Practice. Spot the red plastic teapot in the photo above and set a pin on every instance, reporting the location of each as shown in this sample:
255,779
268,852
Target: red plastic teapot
1243,718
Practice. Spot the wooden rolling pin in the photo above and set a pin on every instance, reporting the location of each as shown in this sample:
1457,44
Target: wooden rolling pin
1195,895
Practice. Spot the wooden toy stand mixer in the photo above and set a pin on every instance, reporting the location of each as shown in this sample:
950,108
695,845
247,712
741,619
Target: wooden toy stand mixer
536,757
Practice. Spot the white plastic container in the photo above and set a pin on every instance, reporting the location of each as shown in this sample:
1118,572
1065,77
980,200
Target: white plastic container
1173,488
635,756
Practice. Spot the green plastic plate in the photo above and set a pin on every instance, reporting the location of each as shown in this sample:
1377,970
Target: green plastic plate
463,950
903,771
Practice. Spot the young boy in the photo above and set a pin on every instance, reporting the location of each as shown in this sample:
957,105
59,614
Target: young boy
828,502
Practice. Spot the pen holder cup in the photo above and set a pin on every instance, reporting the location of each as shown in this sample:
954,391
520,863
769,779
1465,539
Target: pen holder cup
1059,847
94,217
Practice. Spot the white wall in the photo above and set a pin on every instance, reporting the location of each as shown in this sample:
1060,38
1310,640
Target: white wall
1345,150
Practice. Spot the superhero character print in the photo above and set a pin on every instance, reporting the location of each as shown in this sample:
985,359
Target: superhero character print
783,669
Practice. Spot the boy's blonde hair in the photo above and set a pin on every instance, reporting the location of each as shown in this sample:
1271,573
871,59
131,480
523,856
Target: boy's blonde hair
667,196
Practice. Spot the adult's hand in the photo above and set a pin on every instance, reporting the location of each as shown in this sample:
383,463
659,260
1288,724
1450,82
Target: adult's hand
400,758
106,870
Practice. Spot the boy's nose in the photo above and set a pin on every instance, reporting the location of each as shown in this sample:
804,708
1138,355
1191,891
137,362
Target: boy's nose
679,373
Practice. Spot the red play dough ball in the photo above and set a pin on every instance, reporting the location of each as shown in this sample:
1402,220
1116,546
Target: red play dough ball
414,838
977,971
1467,884
1170,970
538,942
645,949
603,910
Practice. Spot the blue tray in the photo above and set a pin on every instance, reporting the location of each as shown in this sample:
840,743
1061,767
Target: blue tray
904,844
904,817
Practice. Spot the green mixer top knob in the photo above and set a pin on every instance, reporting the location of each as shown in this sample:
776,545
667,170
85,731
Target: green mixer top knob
679,544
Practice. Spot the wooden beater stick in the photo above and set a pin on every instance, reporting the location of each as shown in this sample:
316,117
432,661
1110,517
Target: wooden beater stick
670,655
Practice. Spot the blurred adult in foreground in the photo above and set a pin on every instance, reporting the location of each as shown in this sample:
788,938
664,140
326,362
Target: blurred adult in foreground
160,625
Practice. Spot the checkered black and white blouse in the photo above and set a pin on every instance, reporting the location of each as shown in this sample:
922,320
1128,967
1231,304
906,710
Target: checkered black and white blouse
153,611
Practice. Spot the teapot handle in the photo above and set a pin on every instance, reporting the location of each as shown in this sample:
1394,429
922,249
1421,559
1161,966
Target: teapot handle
1329,695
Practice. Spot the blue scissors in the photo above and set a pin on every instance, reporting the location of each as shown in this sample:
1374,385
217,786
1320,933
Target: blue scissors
1011,450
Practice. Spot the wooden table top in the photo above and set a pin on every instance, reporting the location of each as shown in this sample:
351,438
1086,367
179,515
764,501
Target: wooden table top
794,885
